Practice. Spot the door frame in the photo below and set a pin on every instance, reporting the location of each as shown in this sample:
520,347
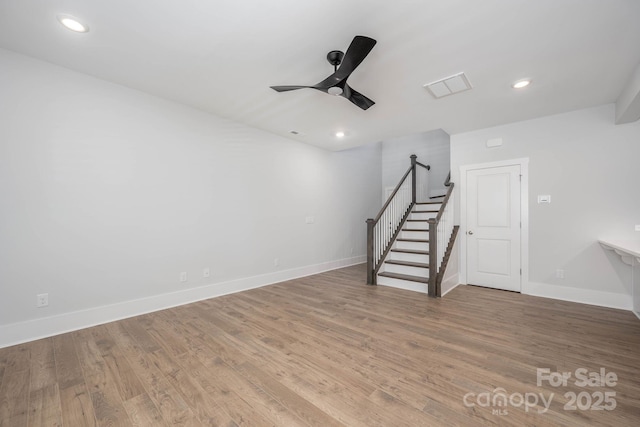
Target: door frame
524,215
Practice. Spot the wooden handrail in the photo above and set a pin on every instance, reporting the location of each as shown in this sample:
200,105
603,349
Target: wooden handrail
377,218
433,244
445,261
444,202
427,167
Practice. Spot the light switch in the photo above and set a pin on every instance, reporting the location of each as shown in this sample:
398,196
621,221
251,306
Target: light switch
544,198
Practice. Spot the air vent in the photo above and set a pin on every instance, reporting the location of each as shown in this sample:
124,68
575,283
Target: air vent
448,86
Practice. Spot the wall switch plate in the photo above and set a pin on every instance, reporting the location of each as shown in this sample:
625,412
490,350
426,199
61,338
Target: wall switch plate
545,198
206,272
560,273
309,220
42,300
276,262
637,227
183,276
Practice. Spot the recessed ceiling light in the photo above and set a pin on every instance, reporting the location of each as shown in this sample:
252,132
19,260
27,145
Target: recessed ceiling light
339,134
72,23
521,83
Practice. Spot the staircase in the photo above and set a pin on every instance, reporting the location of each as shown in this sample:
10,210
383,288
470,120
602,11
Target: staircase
409,242
406,265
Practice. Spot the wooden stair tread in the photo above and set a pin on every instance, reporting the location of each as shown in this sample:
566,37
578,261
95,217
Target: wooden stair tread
429,211
429,203
405,277
417,220
422,230
413,240
407,263
410,251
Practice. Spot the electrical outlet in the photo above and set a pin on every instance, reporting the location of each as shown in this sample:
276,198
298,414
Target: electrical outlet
206,272
276,262
560,273
637,227
42,300
351,251
183,276
309,220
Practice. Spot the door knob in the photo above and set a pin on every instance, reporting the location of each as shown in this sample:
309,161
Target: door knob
469,232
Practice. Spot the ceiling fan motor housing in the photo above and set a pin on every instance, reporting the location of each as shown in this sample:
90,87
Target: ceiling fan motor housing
335,57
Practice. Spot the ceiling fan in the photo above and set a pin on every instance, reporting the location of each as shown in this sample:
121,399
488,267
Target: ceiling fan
344,64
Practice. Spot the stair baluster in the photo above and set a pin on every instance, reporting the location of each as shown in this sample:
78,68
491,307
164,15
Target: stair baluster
383,232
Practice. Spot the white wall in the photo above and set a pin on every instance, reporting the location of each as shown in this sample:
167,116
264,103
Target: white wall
109,193
589,166
432,148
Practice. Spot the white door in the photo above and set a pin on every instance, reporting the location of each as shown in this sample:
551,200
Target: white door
493,227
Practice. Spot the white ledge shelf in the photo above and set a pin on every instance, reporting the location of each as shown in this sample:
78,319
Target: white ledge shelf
629,250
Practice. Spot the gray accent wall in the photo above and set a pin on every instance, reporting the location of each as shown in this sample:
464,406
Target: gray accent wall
432,148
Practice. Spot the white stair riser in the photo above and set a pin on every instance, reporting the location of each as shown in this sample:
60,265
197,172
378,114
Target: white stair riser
427,207
405,269
422,225
414,234
427,215
403,284
412,245
403,256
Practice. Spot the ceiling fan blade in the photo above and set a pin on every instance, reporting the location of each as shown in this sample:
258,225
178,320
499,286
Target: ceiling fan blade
357,51
330,81
357,98
287,88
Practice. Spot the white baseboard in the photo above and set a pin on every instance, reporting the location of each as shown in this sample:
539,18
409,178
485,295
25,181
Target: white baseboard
584,296
17,333
449,283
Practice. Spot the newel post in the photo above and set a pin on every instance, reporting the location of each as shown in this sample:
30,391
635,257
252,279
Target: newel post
370,224
433,256
413,177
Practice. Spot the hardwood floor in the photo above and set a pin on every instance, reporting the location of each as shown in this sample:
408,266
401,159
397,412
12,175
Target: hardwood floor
328,350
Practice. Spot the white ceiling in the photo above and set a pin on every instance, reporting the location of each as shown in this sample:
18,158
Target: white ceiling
221,56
